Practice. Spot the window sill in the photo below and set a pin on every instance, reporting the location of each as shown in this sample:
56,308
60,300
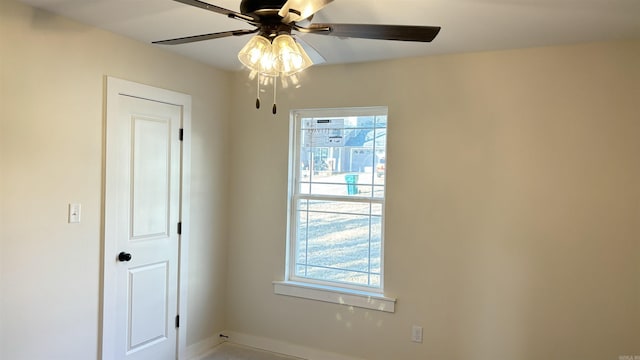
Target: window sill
361,299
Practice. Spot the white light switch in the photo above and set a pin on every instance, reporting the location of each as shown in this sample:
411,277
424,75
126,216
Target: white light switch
74,213
416,334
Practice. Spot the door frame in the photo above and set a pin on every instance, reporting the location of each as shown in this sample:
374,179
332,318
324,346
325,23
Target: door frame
115,87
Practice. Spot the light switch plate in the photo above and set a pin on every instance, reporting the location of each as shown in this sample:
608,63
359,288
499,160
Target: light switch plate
416,334
74,213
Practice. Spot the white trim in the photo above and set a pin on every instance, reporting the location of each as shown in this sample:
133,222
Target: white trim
361,299
284,348
113,88
185,220
203,348
347,111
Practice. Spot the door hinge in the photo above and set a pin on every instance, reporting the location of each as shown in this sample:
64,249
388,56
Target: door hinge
177,321
181,135
180,228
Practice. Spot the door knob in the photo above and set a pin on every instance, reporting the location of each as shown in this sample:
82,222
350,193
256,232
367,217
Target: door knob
123,256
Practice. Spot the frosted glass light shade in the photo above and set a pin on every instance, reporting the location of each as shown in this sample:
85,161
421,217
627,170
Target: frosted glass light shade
257,55
306,60
288,55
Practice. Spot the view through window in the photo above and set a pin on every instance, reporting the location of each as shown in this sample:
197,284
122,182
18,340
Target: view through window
338,170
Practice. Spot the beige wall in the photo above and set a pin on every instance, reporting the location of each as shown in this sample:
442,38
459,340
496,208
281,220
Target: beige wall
513,207
513,213
51,139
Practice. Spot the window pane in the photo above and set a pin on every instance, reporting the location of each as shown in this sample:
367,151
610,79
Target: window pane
342,156
338,241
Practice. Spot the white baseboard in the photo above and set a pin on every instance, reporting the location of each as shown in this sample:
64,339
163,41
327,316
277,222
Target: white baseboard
202,348
284,348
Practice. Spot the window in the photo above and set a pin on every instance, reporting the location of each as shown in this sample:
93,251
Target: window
336,202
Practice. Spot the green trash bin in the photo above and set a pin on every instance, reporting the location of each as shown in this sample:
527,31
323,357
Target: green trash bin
352,184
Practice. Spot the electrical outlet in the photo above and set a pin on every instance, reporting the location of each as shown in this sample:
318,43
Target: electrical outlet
416,333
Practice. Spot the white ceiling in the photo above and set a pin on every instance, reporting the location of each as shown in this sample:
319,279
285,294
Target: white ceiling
467,25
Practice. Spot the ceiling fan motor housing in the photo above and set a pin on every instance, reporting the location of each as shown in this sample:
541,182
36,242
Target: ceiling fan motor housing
266,11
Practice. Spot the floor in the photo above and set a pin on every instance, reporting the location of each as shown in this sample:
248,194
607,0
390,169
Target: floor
228,351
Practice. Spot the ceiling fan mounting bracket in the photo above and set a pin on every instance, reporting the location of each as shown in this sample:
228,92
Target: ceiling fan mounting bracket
257,7
311,30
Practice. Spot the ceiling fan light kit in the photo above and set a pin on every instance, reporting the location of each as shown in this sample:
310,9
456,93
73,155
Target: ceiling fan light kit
273,52
281,57
267,59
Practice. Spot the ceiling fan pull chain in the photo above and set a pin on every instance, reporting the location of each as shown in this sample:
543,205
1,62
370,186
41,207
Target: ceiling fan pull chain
274,110
258,92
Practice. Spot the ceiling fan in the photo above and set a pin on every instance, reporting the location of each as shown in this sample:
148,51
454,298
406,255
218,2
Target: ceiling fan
272,17
273,52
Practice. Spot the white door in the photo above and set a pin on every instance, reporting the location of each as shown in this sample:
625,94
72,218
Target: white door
142,215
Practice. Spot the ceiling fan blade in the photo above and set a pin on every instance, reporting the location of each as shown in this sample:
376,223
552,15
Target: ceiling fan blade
298,10
371,31
219,10
314,55
190,39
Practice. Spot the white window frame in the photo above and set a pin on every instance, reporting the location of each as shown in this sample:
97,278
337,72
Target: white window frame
341,293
